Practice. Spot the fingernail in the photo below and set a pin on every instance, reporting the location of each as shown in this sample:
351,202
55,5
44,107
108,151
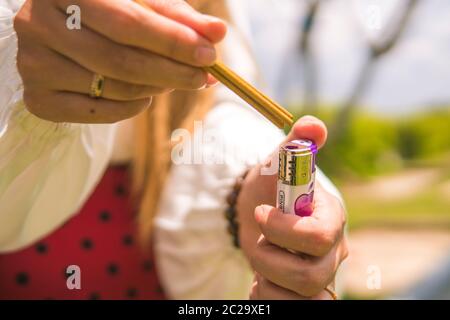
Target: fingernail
150,100
308,118
205,55
212,82
261,213
211,18
212,85
203,87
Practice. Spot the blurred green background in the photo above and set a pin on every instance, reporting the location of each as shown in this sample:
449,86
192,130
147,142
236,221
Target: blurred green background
374,148
377,72
394,174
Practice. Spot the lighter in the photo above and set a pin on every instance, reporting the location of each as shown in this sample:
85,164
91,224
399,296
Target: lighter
296,176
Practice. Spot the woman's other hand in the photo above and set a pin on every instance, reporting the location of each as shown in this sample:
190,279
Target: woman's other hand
269,237
140,52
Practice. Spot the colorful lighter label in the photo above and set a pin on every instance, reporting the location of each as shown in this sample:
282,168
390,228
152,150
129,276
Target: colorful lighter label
296,177
296,200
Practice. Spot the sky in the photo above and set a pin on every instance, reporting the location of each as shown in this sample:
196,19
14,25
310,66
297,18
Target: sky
413,76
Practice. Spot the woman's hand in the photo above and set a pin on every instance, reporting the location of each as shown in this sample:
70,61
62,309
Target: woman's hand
267,234
140,52
319,244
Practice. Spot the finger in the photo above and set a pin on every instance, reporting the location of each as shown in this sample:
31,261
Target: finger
314,235
72,107
115,61
212,28
311,128
48,67
129,23
304,276
307,127
263,289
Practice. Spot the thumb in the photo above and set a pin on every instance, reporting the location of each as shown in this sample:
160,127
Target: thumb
212,28
307,127
311,128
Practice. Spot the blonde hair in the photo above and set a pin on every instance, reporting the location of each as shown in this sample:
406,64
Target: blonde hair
153,129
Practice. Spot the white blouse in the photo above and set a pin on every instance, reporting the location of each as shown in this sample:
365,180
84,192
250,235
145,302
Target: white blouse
48,170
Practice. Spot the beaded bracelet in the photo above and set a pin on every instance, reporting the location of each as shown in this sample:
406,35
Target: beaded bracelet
231,211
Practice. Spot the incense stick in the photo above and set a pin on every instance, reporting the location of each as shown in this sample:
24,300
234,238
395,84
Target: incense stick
249,99
259,101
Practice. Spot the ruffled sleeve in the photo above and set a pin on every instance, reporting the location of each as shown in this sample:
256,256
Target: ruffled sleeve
47,170
195,255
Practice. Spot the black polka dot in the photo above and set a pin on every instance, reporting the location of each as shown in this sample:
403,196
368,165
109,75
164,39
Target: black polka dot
87,244
120,190
131,293
41,248
22,279
65,273
105,216
147,266
127,240
94,296
112,269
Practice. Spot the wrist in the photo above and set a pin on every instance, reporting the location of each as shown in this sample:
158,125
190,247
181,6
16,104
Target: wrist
231,212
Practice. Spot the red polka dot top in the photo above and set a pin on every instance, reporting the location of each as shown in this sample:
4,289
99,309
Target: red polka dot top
93,256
